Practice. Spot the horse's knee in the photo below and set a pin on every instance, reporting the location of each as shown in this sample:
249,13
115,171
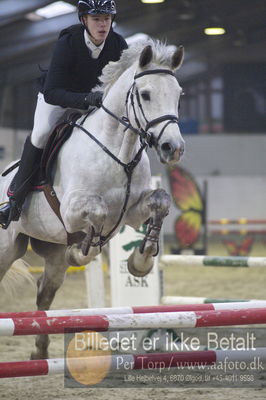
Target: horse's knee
81,210
96,210
160,201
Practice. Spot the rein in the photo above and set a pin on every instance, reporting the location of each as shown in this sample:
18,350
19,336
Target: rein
128,168
146,139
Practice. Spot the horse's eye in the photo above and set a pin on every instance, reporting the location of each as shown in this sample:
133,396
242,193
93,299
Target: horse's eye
146,96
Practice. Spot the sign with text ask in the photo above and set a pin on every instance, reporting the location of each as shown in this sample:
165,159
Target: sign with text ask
126,289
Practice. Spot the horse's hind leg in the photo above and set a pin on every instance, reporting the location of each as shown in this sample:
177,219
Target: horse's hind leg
48,284
153,206
11,250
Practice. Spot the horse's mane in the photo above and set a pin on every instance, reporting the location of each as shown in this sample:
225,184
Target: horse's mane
113,70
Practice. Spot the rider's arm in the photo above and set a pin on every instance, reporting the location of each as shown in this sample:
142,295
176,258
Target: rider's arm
58,79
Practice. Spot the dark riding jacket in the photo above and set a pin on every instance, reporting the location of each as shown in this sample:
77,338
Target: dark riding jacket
73,72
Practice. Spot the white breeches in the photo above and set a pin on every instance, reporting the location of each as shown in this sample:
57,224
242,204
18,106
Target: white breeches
46,118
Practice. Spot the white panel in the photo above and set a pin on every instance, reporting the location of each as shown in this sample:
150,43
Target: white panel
127,290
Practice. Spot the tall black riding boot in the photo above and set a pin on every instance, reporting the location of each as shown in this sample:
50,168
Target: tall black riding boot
21,184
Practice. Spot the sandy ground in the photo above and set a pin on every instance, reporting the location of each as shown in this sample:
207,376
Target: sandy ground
208,282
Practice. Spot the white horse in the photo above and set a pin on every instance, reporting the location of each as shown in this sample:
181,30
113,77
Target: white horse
104,183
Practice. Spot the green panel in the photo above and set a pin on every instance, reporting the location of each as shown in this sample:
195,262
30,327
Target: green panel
226,261
209,300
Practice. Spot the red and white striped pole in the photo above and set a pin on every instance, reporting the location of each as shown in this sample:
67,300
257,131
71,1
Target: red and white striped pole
100,323
232,305
128,361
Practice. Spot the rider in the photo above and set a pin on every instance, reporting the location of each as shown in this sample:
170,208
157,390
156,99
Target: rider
80,54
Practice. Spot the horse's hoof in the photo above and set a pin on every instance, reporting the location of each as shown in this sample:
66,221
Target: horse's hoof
37,355
136,272
70,257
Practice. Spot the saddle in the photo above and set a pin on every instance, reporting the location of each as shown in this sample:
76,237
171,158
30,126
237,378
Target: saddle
57,138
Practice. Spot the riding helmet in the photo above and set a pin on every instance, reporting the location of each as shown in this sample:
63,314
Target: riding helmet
94,7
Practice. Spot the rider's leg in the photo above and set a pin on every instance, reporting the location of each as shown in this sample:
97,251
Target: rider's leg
45,119
21,184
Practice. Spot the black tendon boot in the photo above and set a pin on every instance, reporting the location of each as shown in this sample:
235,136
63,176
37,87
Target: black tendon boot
21,184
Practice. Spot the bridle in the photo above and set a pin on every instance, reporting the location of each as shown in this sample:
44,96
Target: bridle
146,139
144,134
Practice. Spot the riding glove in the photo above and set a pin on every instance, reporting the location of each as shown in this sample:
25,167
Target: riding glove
93,99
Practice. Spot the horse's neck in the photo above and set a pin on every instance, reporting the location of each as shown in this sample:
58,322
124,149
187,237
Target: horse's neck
124,144
129,147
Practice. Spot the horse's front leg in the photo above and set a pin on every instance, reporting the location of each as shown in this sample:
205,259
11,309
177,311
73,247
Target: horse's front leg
83,212
153,207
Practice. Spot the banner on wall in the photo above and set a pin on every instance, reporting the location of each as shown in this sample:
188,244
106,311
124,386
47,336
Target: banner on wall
189,200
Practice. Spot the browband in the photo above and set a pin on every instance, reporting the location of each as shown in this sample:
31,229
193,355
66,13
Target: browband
154,71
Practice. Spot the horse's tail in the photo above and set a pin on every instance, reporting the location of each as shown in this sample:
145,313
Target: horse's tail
16,277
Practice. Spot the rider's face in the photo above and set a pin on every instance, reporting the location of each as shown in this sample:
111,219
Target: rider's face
99,26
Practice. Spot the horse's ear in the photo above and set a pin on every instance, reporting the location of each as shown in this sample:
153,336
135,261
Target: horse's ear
178,58
145,57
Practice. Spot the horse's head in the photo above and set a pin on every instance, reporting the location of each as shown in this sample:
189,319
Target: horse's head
153,102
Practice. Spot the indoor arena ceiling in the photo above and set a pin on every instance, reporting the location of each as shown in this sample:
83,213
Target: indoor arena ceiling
24,42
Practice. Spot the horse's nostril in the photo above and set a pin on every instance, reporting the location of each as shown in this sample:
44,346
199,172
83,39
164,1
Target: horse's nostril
166,147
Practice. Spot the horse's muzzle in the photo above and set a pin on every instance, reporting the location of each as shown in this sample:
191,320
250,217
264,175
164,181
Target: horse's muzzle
172,153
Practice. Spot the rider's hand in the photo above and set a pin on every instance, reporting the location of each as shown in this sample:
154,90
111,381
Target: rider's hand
94,99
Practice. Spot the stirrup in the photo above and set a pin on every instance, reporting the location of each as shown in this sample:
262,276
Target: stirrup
5,209
14,212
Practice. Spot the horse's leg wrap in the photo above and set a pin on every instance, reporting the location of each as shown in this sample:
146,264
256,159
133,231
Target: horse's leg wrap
152,235
140,262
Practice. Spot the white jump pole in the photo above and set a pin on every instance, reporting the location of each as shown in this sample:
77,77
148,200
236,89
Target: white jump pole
95,283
